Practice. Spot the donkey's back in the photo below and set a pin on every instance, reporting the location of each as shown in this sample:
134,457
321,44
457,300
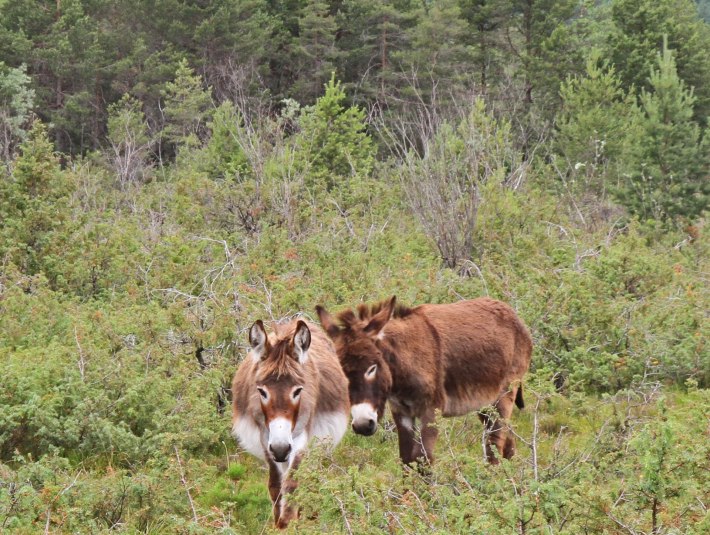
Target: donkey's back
485,348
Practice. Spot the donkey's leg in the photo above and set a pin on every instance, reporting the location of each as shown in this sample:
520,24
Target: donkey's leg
505,409
405,432
275,489
288,485
489,424
429,434
498,435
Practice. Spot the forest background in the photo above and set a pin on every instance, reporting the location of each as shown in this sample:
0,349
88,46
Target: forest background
172,171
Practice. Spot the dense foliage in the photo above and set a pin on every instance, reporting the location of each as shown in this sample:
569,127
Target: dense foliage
172,171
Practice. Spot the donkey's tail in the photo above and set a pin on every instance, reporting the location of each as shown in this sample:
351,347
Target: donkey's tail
519,398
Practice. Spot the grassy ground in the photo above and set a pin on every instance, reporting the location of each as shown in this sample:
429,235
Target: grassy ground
635,462
580,468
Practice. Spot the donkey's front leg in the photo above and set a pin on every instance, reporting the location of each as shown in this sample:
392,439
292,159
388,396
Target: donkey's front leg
288,485
429,434
405,432
275,478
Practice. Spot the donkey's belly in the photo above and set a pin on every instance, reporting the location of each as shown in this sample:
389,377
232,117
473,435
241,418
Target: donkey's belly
460,403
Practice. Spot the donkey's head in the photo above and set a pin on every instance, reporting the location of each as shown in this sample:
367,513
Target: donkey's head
280,382
357,340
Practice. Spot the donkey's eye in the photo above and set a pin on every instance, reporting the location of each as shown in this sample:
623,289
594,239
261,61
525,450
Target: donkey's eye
370,373
263,393
296,392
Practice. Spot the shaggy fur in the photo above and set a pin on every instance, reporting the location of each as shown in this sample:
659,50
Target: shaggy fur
319,409
456,358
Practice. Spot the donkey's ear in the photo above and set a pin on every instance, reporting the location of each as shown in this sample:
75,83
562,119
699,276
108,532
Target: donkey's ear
327,322
301,341
380,319
257,339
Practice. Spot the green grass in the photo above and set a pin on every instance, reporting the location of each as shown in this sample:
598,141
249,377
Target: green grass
588,452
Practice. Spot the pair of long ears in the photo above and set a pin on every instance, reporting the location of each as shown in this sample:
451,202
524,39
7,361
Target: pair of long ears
301,341
373,328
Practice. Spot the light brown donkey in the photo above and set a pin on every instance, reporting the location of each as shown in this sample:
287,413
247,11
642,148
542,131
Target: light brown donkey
455,358
288,389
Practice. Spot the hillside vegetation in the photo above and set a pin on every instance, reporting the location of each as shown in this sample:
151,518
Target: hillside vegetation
173,171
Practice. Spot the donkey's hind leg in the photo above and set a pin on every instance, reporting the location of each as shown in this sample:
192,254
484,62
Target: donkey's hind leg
495,440
505,406
498,435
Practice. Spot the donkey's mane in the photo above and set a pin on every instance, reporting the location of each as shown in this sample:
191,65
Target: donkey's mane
400,311
280,362
348,318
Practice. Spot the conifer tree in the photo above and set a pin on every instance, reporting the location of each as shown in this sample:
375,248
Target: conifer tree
314,50
334,139
673,163
16,101
187,107
639,28
486,20
235,42
597,124
34,205
435,64
375,31
559,41
225,156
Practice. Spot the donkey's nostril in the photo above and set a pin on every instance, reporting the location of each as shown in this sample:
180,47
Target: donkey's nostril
371,426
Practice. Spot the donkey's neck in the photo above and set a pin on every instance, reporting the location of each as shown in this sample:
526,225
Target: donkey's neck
398,366
411,348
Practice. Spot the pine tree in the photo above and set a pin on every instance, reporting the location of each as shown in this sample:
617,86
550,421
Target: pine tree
333,138
374,31
314,50
538,20
34,205
435,65
16,101
187,107
704,10
225,156
234,45
639,27
672,164
486,20
598,123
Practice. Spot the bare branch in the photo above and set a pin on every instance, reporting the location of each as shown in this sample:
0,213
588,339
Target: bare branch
345,516
54,500
184,484
82,360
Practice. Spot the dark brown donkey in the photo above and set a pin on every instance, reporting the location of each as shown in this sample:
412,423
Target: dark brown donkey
455,358
288,389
